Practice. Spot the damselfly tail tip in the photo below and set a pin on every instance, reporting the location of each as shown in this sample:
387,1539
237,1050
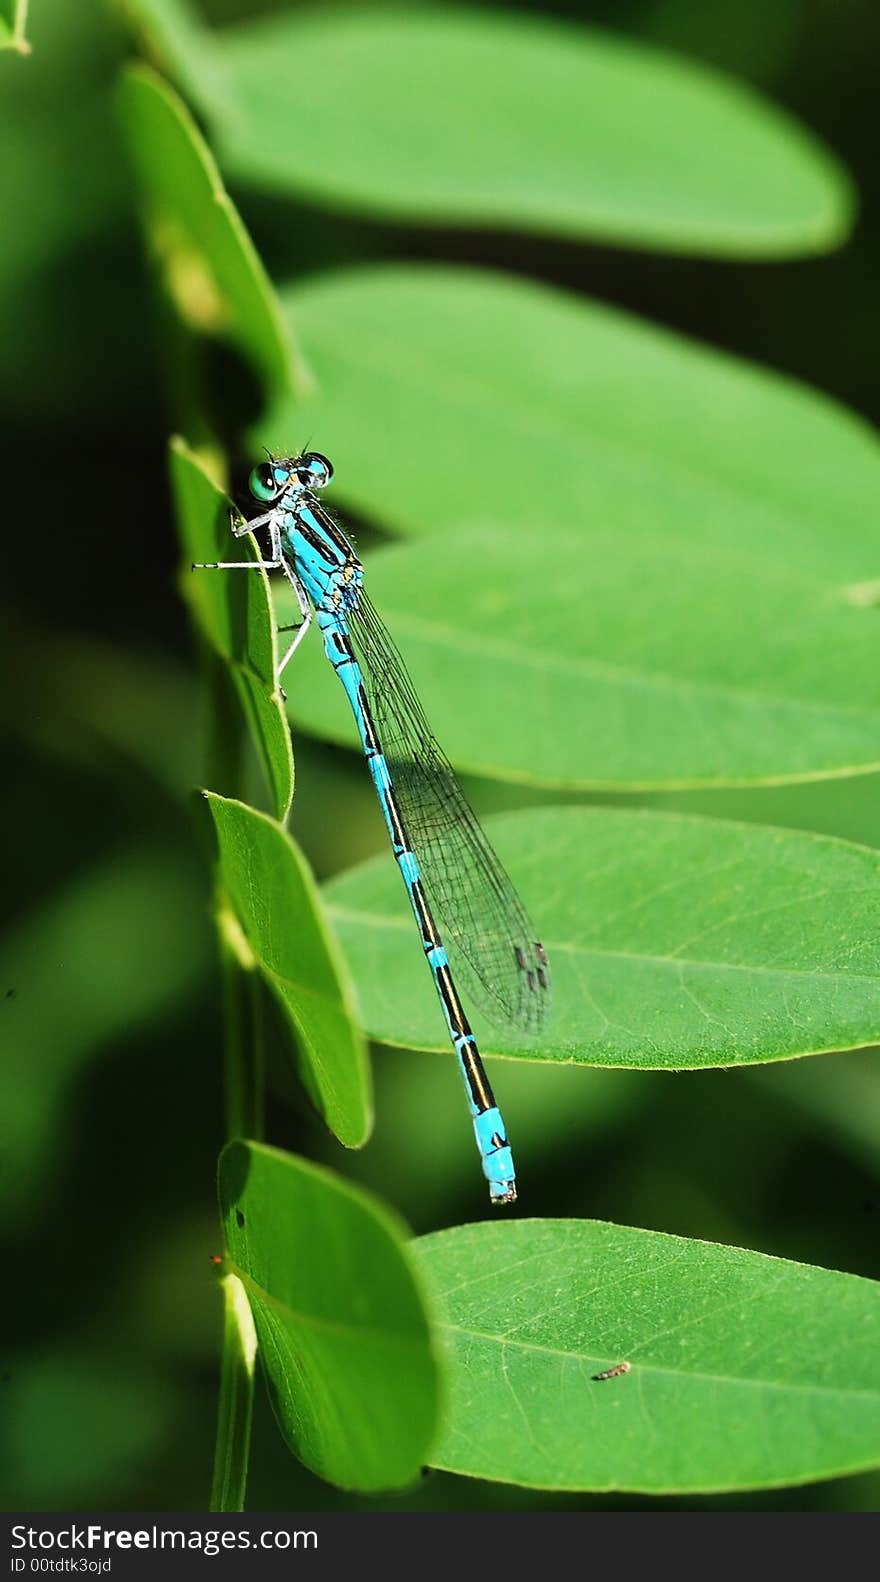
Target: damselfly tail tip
503,1198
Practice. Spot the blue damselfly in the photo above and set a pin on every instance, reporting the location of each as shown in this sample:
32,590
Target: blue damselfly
448,866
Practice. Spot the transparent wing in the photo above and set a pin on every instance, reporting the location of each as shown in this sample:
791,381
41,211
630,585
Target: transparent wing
485,925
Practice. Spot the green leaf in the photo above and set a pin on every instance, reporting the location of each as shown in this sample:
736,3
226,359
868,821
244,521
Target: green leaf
175,39
457,118
13,20
233,614
657,566
540,408
272,914
342,1331
73,982
746,1371
674,942
210,268
627,674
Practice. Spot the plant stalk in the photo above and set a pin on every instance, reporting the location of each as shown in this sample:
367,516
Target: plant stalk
244,1104
235,1406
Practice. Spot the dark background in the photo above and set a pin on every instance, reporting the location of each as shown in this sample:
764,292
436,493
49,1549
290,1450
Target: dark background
109,1084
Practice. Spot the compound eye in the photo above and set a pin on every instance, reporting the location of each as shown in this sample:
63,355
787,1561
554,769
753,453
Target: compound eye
314,470
263,484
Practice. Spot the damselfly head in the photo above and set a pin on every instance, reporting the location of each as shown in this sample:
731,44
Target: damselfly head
313,470
269,480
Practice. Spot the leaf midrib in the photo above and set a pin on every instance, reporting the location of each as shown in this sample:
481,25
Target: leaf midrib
657,1368
497,648
556,947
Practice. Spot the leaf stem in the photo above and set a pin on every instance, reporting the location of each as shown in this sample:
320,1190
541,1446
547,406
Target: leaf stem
244,1101
235,1406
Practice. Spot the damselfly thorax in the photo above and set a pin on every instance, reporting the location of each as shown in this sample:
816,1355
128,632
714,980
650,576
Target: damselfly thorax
323,558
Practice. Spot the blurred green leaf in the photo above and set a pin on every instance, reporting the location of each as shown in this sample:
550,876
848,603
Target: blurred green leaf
838,1096
849,808
170,1290
233,613
273,916
13,20
175,39
65,290
674,942
209,266
748,37
76,1421
475,119
747,1371
108,955
342,1331
550,1110
87,700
